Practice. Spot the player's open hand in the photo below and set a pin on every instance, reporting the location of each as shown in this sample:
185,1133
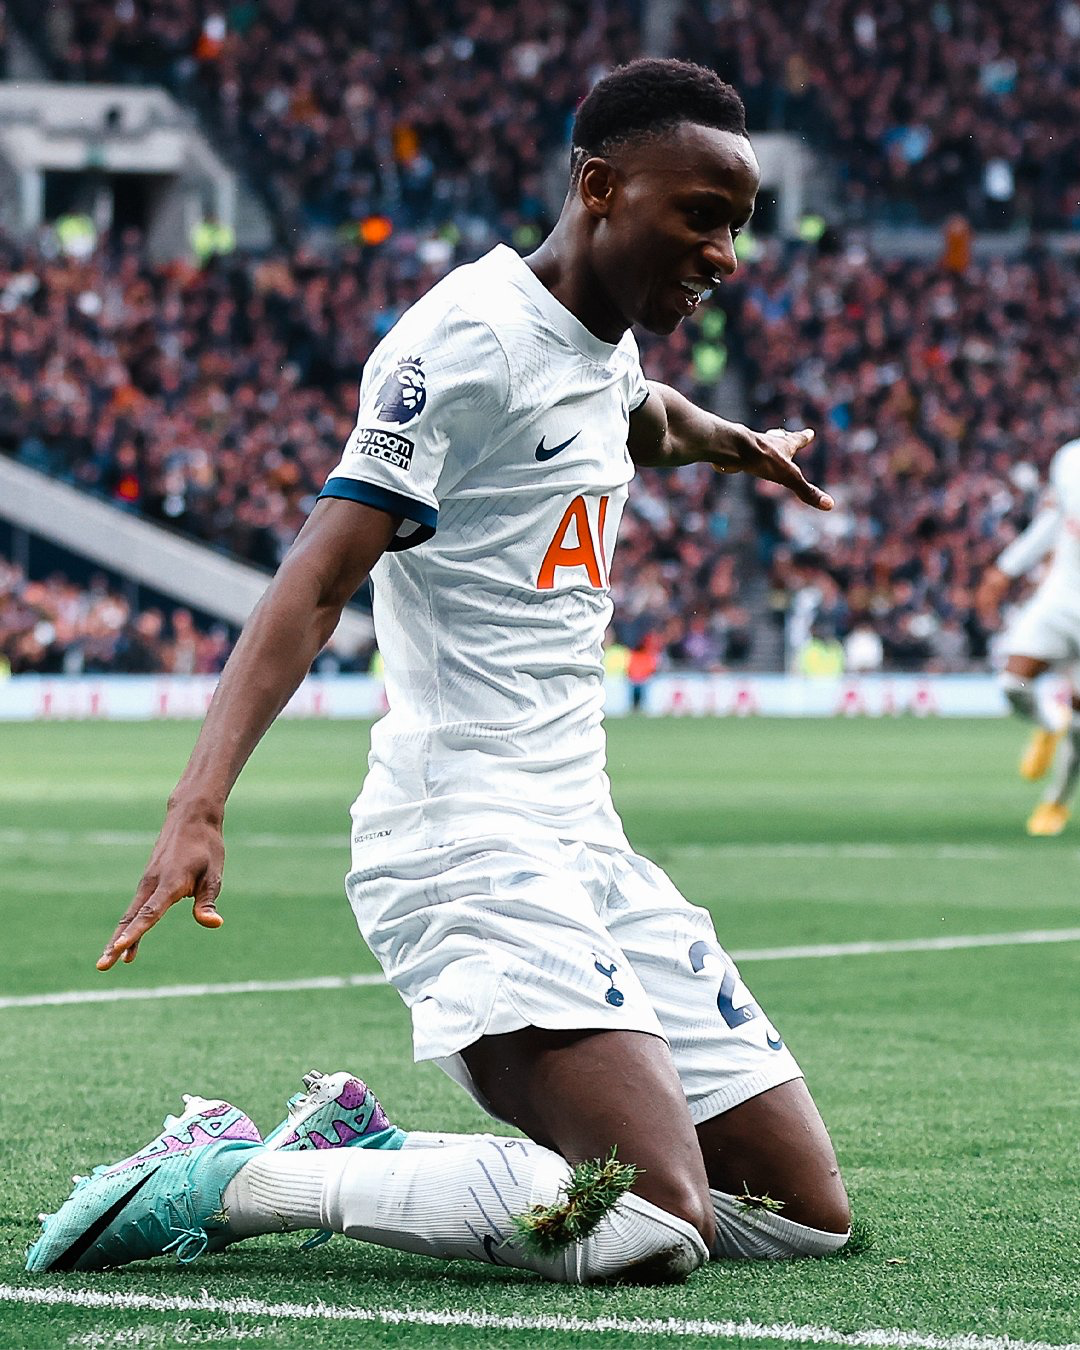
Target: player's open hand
187,860
771,455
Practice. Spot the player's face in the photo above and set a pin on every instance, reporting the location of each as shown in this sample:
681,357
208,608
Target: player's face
675,207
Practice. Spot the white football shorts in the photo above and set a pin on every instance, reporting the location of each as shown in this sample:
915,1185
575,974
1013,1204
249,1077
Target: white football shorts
1046,629
487,936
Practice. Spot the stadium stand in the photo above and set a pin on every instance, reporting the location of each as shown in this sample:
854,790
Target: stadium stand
213,398
56,625
216,401
926,109
940,394
196,398
427,111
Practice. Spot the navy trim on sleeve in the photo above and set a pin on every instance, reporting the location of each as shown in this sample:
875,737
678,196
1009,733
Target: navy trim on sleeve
425,517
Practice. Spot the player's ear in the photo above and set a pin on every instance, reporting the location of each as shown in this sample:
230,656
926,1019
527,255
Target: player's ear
596,185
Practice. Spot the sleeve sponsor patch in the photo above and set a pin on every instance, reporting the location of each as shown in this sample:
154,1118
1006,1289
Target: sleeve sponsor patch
387,445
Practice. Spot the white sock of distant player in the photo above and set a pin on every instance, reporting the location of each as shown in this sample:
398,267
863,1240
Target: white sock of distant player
451,1201
1021,696
1066,765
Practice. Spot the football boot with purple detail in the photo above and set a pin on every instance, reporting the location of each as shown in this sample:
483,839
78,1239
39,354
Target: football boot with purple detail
336,1110
166,1198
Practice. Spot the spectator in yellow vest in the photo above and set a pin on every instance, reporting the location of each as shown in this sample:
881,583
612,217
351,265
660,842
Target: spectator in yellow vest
822,656
210,238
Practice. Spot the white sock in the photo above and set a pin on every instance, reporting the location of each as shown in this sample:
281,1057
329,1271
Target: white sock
455,1201
437,1139
755,1234
1021,696
1067,766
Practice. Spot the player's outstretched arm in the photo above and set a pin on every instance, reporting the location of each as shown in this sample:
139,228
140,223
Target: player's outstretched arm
333,554
1026,551
668,430
990,594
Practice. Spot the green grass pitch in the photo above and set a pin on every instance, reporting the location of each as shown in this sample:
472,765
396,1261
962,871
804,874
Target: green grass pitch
949,1078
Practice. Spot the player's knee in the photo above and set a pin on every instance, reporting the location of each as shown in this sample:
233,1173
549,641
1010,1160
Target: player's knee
641,1243
689,1203
823,1204
832,1213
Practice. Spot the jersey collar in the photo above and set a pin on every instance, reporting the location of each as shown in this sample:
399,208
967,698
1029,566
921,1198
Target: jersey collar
556,314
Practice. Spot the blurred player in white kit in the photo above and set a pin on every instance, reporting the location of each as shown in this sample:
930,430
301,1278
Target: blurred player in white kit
1045,635
560,978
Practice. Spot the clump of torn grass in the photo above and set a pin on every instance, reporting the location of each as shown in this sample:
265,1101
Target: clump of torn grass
766,1202
591,1192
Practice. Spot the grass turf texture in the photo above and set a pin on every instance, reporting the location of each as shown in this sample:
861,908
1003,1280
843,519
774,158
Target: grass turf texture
950,1079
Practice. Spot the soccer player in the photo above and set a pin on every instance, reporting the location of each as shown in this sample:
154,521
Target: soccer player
556,975
1045,634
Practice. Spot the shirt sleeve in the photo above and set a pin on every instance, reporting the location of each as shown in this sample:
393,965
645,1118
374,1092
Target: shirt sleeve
428,396
1034,544
639,390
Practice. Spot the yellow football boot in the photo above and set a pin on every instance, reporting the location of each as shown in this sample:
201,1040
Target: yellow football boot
1048,819
1039,754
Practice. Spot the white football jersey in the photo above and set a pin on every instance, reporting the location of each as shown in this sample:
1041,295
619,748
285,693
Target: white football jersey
495,423
1056,527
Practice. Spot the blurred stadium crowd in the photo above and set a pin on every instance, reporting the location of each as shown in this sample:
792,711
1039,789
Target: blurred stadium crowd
213,396
427,109
929,108
940,392
59,626
449,107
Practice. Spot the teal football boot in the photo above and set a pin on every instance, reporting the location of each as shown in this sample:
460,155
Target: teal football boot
167,1198
336,1111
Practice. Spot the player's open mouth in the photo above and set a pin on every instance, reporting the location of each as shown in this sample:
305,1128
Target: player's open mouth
693,292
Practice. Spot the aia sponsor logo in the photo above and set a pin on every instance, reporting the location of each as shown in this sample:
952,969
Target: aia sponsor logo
577,542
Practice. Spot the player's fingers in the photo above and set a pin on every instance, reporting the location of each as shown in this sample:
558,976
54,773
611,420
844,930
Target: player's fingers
802,438
790,443
792,477
205,908
139,920
109,955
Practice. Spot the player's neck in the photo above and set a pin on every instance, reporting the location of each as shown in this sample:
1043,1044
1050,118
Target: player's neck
562,265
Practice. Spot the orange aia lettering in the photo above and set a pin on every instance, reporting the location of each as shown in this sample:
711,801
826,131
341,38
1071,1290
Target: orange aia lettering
560,553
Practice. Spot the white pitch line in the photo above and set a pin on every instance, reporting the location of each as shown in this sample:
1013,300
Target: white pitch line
190,991
1033,937
879,1338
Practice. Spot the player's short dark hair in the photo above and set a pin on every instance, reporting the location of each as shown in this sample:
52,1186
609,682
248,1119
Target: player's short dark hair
648,97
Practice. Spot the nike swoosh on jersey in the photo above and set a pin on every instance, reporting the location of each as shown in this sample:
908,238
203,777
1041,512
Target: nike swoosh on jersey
550,451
